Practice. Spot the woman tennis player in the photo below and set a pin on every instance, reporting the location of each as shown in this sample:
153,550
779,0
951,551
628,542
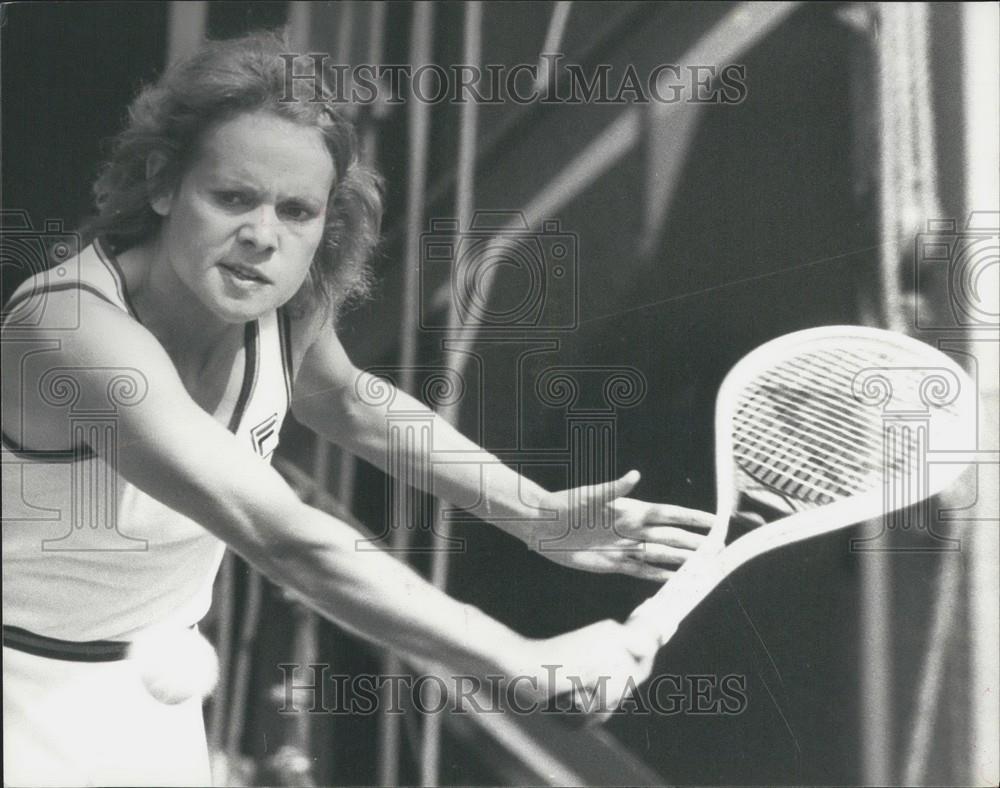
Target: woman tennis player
232,226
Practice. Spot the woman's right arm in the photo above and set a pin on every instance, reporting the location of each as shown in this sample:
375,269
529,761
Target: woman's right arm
175,452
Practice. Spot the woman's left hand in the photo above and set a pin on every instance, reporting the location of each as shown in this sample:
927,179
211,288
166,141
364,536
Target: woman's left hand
597,529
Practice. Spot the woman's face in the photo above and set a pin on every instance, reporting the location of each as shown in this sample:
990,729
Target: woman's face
241,228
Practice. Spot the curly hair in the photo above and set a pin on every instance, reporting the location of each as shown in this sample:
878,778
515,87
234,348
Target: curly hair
222,80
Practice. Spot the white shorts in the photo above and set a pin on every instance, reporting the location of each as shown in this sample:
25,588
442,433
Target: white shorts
93,723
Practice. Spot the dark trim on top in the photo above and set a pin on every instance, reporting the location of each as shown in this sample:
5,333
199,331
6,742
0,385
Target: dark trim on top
285,340
115,269
251,364
80,453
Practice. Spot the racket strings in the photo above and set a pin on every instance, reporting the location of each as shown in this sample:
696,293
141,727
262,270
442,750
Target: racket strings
814,433
778,438
800,466
852,450
792,443
800,430
833,394
834,438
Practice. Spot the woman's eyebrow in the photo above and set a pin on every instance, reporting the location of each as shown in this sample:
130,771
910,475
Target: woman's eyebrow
311,202
246,180
228,175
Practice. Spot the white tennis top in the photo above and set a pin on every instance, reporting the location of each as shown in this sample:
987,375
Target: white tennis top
88,556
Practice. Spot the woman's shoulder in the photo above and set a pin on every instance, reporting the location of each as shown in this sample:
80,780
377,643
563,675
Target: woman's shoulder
69,350
70,278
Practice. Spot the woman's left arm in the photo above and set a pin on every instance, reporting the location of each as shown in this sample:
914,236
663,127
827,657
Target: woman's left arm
594,528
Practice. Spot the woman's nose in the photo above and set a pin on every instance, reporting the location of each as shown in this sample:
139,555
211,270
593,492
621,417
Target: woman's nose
260,229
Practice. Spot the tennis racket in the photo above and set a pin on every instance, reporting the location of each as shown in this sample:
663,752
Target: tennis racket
819,430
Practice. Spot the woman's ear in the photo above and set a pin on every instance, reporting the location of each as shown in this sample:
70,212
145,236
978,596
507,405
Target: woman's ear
160,200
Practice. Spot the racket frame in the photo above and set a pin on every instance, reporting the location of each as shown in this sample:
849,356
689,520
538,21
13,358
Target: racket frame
661,614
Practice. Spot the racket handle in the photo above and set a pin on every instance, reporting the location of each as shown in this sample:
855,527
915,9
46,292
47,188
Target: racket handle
661,615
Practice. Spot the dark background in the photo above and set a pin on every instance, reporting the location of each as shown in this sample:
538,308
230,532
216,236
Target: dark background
771,230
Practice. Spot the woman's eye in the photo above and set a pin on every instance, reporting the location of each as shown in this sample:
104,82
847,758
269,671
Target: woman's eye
231,199
298,212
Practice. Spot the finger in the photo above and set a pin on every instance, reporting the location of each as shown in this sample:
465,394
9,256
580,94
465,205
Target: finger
749,519
671,537
618,488
644,571
667,514
661,555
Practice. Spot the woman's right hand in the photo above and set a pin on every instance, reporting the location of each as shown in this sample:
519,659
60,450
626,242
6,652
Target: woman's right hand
592,669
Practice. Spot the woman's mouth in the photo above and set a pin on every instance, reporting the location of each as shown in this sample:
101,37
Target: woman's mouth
244,273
